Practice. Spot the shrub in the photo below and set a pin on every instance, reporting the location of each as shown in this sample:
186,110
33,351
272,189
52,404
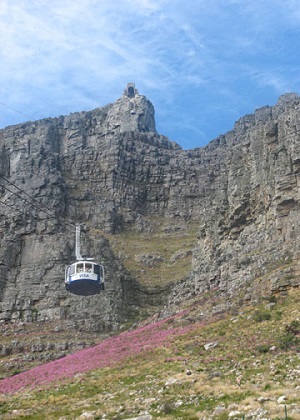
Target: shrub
272,299
293,328
263,348
288,340
167,408
262,315
278,315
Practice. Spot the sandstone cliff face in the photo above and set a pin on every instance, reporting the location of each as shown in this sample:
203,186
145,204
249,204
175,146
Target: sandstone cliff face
91,168
110,170
248,239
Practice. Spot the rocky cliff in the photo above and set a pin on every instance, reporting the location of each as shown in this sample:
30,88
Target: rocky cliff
166,223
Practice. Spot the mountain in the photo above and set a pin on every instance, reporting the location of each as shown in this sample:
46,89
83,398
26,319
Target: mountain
200,313
167,224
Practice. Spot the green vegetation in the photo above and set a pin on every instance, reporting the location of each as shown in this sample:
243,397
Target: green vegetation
159,257
183,380
291,336
262,315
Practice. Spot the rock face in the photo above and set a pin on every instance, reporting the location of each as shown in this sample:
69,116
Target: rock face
110,170
248,236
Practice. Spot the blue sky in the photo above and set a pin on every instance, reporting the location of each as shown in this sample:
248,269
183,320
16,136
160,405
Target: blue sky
202,63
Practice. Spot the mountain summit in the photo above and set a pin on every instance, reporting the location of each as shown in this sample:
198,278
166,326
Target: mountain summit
167,224
131,112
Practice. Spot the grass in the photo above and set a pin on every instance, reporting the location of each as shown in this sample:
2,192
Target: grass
156,380
159,257
25,346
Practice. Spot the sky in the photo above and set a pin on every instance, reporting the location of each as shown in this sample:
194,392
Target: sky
202,63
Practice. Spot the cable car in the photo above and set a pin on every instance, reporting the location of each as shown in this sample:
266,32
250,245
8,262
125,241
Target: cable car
84,277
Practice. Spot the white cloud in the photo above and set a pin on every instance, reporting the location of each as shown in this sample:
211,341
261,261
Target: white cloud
186,56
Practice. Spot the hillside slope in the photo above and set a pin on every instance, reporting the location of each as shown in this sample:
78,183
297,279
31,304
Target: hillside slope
190,366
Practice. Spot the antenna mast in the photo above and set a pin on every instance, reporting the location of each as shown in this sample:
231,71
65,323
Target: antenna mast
77,246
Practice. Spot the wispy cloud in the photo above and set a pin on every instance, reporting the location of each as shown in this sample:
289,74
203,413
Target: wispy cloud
187,57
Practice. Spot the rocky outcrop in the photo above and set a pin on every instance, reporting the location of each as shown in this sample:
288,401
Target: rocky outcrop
247,242
110,170
58,172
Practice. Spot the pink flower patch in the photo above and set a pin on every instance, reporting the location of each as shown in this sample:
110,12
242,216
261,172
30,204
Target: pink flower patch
102,355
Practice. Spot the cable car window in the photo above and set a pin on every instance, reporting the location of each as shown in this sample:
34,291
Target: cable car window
79,268
96,269
88,267
72,269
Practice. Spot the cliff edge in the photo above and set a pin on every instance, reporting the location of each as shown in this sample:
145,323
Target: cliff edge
166,223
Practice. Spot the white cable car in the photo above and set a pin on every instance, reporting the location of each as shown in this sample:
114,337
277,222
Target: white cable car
84,277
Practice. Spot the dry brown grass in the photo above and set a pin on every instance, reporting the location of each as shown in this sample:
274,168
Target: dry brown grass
170,247
128,389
